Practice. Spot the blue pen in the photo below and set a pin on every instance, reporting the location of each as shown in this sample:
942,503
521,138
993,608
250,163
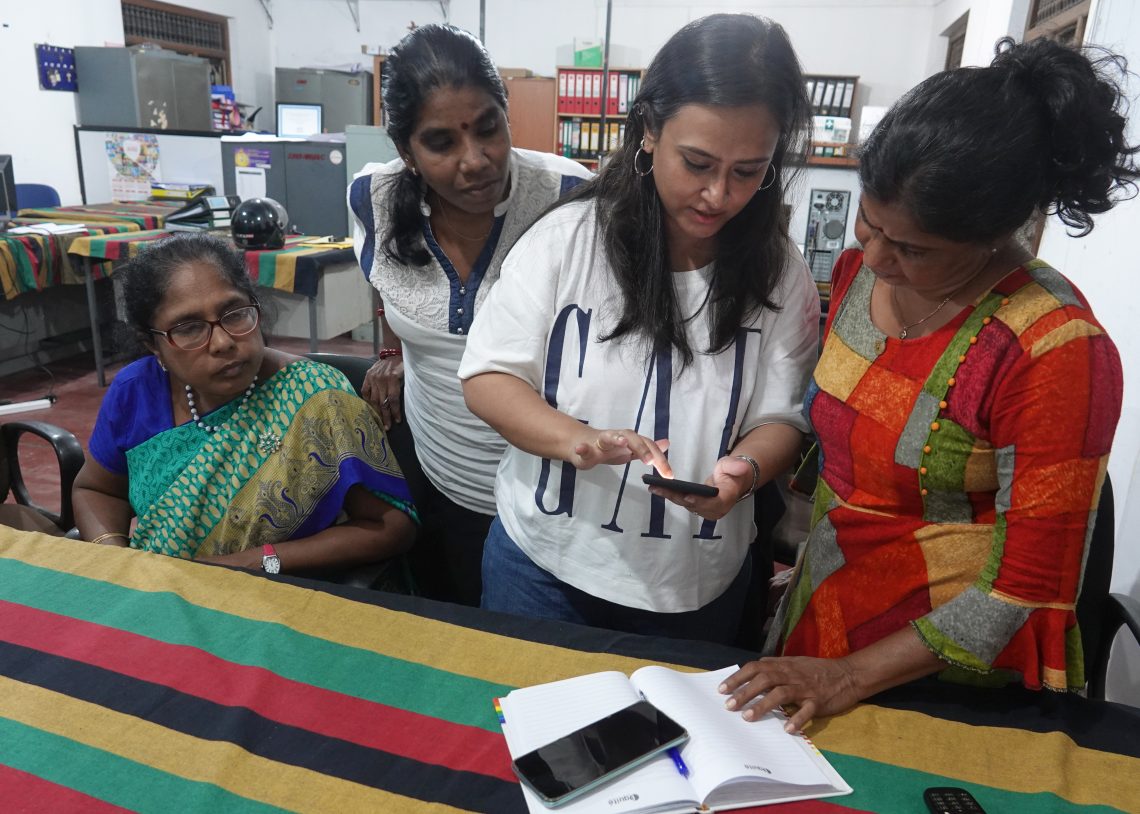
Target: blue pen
675,753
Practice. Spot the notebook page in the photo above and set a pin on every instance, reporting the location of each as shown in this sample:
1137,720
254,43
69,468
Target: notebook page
724,746
538,715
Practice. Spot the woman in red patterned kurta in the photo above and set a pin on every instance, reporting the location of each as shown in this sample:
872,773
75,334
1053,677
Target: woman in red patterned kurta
965,400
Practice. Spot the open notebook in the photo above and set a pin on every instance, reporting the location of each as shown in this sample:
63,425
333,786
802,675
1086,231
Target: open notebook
732,763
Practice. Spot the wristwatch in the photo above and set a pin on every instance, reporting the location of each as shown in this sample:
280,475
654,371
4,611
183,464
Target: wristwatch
270,562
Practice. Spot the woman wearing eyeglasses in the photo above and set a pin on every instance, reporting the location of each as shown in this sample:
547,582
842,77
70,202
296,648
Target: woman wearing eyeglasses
228,451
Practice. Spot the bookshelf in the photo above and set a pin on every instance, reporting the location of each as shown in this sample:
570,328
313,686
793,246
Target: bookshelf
832,97
583,130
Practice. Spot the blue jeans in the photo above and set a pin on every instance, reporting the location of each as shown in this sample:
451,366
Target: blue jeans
512,583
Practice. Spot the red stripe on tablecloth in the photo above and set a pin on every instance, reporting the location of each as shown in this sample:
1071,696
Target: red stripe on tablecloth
194,672
23,793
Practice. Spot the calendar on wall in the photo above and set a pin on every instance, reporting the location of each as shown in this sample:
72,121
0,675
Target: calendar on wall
56,67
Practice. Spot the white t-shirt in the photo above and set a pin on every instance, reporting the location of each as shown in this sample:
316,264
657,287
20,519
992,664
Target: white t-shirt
431,311
600,530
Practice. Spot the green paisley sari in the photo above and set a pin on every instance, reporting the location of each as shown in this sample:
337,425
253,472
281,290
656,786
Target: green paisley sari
278,468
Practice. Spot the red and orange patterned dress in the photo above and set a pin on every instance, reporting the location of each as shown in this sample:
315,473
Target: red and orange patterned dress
959,480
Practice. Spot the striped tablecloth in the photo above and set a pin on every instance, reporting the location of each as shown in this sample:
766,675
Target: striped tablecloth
132,681
33,262
144,214
296,268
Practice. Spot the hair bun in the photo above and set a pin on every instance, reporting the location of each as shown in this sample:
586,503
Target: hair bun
1080,107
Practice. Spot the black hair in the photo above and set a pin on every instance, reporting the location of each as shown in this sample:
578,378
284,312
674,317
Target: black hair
972,153
147,276
723,60
433,56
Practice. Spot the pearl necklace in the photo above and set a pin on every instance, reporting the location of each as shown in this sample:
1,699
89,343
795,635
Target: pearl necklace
197,419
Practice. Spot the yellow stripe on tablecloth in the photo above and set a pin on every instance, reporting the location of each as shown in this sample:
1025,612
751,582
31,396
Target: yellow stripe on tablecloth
220,763
8,273
1045,761
284,272
439,645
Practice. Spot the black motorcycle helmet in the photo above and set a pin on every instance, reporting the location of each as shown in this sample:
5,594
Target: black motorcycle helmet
259,223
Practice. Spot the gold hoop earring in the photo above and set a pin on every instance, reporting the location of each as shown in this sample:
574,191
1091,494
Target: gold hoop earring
763,186
636,156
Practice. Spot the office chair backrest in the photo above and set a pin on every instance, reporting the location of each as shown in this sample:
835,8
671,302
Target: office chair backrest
1095,585
353,367
35,196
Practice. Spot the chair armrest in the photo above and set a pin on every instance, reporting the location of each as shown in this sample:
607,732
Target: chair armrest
1124,610
1120,610
68,453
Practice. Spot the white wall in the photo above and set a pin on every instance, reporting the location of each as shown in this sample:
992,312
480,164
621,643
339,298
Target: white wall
36,125
1102,265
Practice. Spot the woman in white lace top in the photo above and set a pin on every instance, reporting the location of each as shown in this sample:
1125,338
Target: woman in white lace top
431,230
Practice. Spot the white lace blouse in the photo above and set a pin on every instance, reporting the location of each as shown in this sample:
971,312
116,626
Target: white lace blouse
431,311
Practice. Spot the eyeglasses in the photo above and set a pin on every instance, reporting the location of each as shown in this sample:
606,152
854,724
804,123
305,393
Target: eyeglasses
197,333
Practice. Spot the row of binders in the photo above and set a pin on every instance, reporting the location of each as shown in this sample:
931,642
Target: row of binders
580,92
831,95
584,139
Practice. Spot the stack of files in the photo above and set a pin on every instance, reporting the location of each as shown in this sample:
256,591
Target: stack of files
48,229
206,212
178,191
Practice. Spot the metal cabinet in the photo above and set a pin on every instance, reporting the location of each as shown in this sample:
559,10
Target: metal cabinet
346,97
142,87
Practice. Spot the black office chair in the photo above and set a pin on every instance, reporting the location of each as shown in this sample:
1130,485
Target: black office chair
1100,612
399,438
68,453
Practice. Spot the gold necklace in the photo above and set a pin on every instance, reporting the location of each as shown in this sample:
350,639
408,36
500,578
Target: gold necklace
456,232
904,331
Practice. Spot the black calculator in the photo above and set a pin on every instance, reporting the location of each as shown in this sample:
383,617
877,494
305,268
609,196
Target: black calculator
950,800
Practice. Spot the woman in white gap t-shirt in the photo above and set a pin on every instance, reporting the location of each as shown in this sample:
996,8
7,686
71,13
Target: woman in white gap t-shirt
663,310
431,230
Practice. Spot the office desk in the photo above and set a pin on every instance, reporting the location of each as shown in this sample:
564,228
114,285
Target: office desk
143,214
157,684
298,268
33,262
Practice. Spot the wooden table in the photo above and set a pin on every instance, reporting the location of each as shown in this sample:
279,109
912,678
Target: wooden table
134,681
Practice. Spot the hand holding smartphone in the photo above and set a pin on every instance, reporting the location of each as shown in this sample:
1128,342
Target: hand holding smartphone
686,487
599,752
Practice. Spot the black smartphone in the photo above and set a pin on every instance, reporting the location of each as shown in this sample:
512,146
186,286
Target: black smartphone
951,800
597,753
687,487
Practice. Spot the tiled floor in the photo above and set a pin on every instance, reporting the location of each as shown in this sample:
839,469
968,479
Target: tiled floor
78,396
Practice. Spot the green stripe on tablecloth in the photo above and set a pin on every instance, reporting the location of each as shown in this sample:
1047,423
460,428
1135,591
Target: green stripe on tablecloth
885,789
25,269
167,617
114,779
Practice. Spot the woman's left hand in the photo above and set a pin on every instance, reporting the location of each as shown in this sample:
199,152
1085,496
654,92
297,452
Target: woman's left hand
815,686
732,476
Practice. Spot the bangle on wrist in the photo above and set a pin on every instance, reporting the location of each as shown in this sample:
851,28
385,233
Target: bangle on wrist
755,476
108,535
387,353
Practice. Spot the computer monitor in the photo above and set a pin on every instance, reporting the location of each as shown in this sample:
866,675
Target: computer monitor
296,120
8,204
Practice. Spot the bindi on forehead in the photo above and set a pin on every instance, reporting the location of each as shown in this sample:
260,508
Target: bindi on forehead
464,126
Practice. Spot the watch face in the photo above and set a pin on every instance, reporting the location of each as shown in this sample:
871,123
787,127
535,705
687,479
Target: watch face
271,565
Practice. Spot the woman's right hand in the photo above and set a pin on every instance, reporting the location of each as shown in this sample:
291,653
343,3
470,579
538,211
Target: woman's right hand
595,447
383,387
